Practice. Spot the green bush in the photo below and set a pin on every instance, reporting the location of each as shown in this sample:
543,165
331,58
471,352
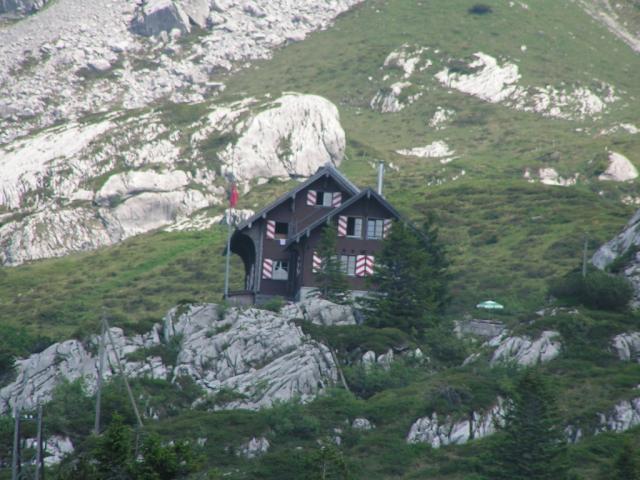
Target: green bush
274,304
480,9
597,290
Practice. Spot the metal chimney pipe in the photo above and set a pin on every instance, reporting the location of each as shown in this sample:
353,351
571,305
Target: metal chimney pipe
380,177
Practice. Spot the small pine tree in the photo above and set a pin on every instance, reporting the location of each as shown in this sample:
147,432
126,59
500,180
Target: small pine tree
326,463
625,466
331,280
410,280
531,444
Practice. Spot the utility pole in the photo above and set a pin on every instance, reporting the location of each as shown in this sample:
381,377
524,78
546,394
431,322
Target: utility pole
39,448
584,257
15,459
96,425
124,376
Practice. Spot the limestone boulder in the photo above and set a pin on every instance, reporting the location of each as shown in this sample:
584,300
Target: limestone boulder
526,351
627,346
157,16
21,7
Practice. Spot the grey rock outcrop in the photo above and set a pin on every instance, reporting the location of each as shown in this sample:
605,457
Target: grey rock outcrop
254,448
362,424
156,16
21,7
260,356
621,245
627,346
439,432
525,351
623,416
321,312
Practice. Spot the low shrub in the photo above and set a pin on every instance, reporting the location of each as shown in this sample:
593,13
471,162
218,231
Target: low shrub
480,9
597,290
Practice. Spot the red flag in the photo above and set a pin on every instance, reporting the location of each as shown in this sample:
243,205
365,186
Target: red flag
233,197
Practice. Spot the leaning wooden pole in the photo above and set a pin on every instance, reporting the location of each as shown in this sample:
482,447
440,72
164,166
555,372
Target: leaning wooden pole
96,425
15,459
124,375
39,448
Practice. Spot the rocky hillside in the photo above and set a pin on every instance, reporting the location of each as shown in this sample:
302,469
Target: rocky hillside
121,123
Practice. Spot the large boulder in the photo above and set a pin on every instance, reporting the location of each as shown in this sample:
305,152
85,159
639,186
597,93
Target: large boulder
627,346
438,432
156,16
290,137
21,7
525,351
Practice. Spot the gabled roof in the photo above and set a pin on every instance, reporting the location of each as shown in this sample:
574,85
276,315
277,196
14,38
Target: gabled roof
329,170
367,192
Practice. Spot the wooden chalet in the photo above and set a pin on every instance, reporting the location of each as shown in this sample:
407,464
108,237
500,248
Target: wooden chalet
278,244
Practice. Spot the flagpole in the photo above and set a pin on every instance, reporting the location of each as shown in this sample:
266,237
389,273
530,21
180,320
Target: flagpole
226,270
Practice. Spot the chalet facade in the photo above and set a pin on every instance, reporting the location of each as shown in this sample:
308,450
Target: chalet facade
278,244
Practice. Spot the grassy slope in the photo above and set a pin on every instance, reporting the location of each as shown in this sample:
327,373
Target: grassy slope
507,237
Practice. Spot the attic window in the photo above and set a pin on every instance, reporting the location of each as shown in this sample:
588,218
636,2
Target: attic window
324,199
354,227
282,230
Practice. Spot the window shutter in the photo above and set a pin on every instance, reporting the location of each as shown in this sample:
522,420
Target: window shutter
361,265
267,268
369,264
387,227
317,262
342,226
337,199
311,197
271,229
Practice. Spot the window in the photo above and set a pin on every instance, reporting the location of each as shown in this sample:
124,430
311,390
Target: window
354,227
375,229
348,264
324,199
282,230
280,270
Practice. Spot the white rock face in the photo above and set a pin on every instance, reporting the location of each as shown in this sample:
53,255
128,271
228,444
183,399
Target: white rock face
398,67
362,424
525,351
479,327
124,185
261,356
60,43
437,149
70,360
493,82
157,16
618,246
21,7
441,118
620,169
440,432
254,448
293,136
83,186
321,312
627,346
623,416
550,176
56,448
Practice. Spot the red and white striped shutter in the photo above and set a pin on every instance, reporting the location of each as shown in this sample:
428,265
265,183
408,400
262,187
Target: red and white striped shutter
369,264
271,229
311,197
387,227
342,226
317,262
267,268
361,265
337,199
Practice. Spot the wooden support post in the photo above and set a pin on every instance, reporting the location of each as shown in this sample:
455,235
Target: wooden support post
96,425
15,459
39,448
124,375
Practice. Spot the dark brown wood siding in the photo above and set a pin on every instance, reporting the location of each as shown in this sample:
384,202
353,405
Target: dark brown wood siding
364,208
